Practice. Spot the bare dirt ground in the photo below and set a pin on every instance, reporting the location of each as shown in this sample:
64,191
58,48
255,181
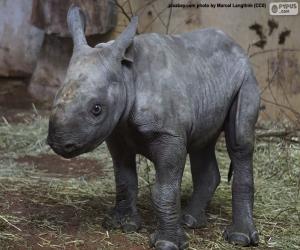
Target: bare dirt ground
59,167
17,107
47,202
15,103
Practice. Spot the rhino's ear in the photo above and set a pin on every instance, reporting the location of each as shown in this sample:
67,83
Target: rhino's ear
123,42
76,24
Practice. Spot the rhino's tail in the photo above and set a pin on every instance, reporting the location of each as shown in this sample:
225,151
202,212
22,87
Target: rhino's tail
230,172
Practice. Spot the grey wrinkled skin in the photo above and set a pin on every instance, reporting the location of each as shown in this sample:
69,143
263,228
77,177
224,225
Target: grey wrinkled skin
162,96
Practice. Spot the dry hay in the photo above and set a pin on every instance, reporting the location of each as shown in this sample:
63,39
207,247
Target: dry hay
39,208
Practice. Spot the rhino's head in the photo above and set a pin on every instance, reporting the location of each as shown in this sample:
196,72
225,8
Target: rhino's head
93,97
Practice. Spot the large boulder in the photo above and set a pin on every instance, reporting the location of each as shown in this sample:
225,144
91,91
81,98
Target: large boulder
50,16
53,60
20,42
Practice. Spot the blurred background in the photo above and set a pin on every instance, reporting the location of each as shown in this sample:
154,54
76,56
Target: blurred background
47,202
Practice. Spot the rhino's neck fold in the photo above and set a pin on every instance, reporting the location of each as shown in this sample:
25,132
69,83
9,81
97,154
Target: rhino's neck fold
129,84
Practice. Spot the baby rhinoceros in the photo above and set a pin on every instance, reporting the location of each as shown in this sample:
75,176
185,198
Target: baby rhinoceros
162,96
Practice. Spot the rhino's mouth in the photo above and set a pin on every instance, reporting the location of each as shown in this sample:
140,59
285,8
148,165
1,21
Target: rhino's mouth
72,154
68,154
73,151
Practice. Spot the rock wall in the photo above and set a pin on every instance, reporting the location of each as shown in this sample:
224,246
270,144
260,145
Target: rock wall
54,56
50,16
20,42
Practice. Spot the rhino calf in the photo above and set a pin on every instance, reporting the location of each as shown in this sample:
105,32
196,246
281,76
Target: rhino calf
162,96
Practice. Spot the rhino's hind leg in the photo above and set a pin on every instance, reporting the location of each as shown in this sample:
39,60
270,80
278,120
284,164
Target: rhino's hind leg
239,133
206,178
124,215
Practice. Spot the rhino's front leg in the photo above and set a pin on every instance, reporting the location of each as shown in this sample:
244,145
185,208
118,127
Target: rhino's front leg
169,157
124,214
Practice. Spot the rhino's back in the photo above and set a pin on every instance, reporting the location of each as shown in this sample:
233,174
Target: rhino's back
202,44
187,81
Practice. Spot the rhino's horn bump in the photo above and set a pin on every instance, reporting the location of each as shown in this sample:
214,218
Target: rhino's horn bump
76,25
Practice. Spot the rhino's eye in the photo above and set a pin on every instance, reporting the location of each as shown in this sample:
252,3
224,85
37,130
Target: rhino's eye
96,110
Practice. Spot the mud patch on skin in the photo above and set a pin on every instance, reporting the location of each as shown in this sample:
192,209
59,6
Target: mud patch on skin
59,167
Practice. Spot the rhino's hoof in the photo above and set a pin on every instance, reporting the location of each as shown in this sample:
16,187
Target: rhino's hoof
111,222
165,245
162,244
241,238
130,227
191,222
127,223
